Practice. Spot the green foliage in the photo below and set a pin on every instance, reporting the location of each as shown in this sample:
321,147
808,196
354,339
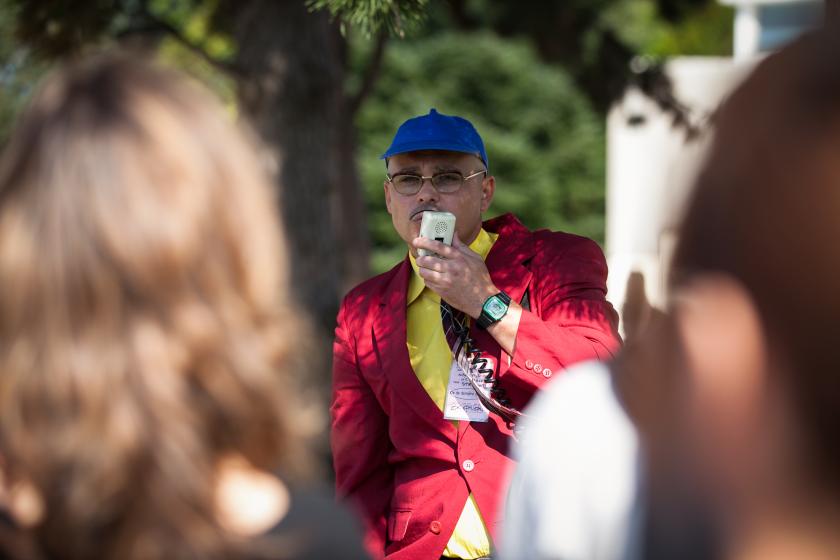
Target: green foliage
174,53
20,72
707,31
544,142
195,19
370,17
702,31
32,33
55,29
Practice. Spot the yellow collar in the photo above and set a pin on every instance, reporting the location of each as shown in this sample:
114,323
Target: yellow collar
481,245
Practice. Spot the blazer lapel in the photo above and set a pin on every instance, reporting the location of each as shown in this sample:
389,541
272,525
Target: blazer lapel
507,258
389,336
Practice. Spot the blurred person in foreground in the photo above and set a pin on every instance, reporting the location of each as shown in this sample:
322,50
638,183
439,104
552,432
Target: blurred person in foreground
756,306
147,334
428,481
735,392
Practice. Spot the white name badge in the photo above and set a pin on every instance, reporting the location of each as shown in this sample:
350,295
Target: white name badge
461,402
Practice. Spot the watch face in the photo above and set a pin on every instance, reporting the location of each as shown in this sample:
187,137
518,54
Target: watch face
496,308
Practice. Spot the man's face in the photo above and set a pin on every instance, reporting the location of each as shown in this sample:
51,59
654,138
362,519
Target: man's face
467,204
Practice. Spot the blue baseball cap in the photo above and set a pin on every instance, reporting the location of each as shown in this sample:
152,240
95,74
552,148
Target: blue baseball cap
437,132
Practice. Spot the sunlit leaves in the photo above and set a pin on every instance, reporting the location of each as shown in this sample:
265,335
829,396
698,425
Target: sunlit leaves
369,17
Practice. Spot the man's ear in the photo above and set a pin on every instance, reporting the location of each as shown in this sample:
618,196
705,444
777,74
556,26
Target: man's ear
387,196
488,189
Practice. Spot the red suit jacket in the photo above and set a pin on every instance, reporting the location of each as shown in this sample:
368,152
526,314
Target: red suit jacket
407,469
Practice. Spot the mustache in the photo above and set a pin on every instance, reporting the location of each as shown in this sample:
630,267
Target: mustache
423,208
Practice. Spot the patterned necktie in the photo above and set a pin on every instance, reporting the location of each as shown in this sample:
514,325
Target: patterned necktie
476,368
454,326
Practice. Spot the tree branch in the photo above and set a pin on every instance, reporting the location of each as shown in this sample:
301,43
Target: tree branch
157,24
657,85
371,74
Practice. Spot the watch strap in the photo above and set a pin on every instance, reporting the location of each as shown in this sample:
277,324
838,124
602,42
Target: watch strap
484,319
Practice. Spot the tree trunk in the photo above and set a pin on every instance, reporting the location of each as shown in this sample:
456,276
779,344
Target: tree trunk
350,211
350,214
291,68
292,65
290,87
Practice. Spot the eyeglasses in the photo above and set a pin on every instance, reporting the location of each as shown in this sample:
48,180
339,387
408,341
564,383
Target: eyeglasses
446,182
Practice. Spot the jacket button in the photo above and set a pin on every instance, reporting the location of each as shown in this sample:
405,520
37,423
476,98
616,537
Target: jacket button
538,368
546,373
434,527
529,364
468,465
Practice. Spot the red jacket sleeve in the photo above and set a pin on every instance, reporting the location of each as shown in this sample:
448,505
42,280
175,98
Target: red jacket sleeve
359,440
570,320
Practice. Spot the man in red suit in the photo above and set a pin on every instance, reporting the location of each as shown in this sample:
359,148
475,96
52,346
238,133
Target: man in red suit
428,481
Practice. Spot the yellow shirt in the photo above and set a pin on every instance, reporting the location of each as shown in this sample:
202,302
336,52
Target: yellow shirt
431,360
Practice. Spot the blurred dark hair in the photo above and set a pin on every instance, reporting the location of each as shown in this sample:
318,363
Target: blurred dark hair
766,211
146,328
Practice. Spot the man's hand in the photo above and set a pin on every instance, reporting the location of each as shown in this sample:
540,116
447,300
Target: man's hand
460,277
462,280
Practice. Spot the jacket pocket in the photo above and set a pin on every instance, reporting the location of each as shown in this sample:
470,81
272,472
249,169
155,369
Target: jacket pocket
398,524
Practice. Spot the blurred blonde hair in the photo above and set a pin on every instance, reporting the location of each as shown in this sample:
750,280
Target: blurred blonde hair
145,322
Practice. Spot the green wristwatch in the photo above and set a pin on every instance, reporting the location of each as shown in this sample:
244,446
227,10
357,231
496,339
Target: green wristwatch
494,308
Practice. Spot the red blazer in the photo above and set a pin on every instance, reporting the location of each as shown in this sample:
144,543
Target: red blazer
407,469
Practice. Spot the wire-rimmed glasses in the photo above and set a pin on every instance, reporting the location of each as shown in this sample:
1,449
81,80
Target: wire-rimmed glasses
445,182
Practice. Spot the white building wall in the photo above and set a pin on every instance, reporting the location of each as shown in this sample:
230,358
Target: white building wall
651,164
650,169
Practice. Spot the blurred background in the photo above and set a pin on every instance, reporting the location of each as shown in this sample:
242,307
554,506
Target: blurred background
595,112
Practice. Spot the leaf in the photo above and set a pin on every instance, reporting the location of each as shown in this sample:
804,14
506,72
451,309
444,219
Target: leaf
369,17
